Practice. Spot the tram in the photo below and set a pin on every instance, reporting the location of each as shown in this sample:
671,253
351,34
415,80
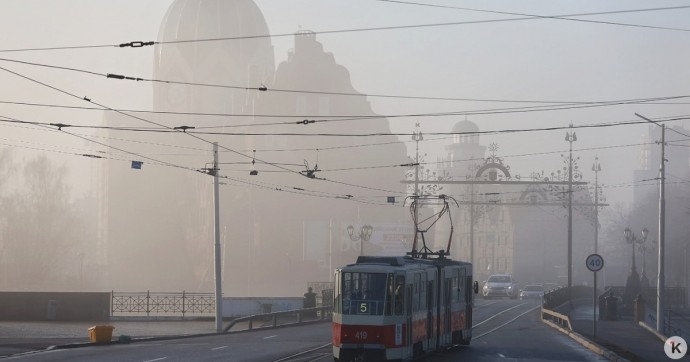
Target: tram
401,307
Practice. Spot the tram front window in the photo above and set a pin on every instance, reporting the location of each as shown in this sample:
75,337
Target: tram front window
364,293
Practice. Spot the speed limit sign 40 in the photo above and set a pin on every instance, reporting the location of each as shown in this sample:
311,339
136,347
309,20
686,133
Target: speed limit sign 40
594,262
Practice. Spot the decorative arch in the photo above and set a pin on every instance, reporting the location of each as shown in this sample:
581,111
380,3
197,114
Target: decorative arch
493,174
533,193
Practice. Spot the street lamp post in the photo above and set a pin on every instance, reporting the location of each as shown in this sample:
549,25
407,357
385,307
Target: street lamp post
632,286
363,235
644,248
570,137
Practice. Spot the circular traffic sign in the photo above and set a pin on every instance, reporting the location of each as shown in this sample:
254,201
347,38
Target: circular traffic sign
594,262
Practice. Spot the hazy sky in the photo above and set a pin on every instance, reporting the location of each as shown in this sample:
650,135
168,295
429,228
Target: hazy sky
545,60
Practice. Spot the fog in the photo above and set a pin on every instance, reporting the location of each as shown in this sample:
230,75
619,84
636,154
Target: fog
76,214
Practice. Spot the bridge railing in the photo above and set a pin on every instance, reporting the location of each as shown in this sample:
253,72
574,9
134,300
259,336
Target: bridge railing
557,297
284,318
559,319
162,303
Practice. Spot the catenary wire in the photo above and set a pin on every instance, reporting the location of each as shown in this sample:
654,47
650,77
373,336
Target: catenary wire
160,125
139,44
534,16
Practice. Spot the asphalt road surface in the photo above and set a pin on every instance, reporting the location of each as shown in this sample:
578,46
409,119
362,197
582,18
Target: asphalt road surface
504,330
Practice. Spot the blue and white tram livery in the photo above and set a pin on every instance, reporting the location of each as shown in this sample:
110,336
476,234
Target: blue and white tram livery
399,308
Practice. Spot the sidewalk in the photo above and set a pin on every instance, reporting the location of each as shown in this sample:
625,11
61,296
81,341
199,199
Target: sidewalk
22,337
623,337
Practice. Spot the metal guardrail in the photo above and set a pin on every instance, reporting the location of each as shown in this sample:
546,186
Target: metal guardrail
675,296
162,303
559,296
678,324
284,318
559,319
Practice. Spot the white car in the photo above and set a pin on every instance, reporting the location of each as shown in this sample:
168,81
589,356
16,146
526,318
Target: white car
533,291
500,285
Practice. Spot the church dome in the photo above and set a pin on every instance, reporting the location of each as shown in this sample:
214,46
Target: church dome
245,62
465,126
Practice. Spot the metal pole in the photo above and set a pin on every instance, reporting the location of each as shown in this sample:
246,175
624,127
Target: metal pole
594,302
570,218
330,250
472,224
416,137
596,168
687,278
661,284
216,227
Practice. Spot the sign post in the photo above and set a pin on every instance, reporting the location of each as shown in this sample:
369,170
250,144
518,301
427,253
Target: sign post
594,263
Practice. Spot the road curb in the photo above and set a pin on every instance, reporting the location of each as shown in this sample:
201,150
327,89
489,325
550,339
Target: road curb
592,346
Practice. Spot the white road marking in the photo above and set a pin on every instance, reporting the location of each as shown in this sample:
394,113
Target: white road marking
500,355
497,314
506,323
271,336
157,359
217,348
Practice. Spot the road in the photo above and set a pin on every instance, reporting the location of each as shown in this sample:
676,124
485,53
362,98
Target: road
503,330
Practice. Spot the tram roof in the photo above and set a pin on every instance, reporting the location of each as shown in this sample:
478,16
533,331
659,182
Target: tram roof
405,261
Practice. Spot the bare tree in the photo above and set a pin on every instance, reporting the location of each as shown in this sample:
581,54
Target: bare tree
41,229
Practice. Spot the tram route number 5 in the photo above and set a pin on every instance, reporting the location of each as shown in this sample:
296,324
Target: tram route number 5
363,308
594,262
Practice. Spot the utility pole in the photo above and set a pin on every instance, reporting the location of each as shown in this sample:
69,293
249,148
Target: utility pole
416,136
660,284
472,211
216,227
661,278
570,137
596,168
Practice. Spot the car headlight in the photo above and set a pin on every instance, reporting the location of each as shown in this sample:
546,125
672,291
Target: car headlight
510,287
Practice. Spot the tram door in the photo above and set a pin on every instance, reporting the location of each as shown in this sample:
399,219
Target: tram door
408,298
468,301
430,310
447,305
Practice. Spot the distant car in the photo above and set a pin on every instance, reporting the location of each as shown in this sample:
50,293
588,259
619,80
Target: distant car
500,285
533,291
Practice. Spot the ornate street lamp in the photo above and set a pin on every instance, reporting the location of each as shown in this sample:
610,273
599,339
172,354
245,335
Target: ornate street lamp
644,248
632,285
363,235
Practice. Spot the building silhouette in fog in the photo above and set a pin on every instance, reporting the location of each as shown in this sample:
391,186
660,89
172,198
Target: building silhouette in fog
158,221
527,240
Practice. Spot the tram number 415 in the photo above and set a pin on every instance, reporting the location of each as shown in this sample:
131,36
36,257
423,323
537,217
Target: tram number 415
361,335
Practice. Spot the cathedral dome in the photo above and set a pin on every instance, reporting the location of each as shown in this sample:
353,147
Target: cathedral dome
245,62
465,127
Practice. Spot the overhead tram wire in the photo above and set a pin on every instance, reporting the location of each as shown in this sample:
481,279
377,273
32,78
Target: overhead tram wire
553,17
155,161
378,134
160,125
140,44
355,118
274,187
172,129
263,88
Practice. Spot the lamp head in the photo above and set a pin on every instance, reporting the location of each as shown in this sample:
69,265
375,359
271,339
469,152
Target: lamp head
644,233
350,230
627,233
